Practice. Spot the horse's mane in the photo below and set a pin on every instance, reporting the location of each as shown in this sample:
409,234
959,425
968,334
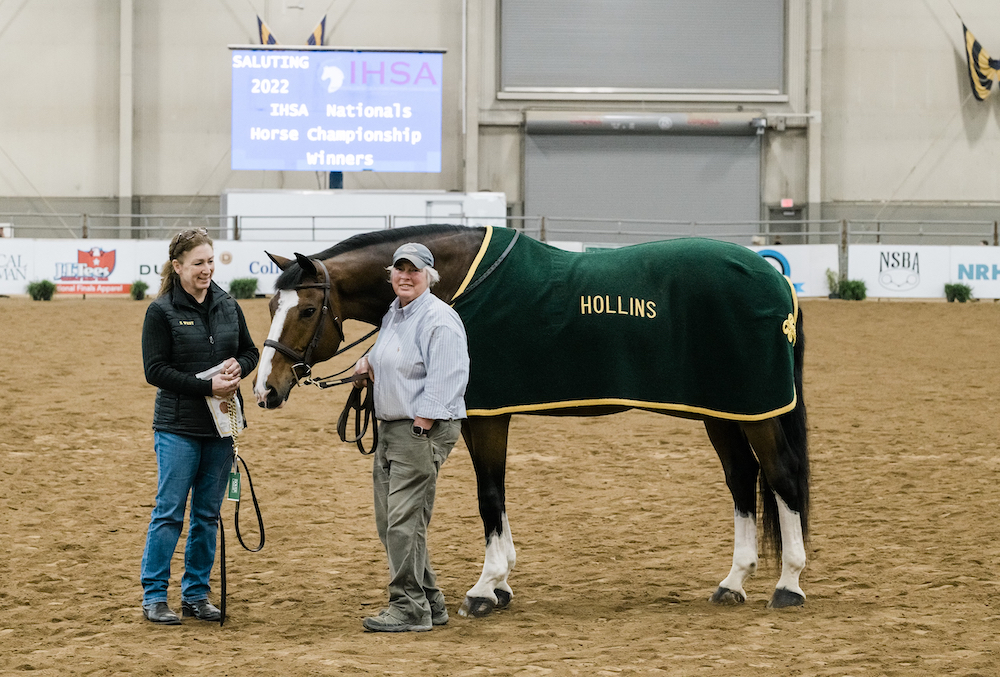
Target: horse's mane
291,277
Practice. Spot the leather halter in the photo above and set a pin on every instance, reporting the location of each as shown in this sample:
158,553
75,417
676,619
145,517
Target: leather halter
304,360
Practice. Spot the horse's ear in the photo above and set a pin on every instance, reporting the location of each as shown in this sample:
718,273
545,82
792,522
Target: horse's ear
279,261
307,264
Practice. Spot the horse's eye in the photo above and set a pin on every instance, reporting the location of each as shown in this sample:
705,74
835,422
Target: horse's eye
307,312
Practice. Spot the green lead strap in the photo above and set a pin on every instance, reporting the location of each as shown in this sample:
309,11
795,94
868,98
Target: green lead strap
233,493
233,486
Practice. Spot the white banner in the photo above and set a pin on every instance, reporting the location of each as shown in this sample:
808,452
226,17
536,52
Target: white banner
978,267
96,266
898,271
804,264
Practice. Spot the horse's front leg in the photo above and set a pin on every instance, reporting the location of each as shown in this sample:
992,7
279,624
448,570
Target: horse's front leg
486,438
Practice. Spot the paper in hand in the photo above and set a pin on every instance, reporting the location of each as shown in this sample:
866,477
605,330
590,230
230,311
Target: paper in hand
220,407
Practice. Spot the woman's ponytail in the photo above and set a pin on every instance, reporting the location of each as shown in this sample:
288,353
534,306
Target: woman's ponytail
167,278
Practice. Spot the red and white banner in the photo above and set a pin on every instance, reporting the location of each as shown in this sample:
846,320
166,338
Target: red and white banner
111,266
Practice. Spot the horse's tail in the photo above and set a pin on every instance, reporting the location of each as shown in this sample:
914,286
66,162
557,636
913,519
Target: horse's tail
794,426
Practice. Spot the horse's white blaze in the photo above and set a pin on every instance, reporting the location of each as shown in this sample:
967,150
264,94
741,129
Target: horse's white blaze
744,553
500,559
287,299
793,550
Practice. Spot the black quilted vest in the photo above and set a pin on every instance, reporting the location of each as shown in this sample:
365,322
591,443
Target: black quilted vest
202,337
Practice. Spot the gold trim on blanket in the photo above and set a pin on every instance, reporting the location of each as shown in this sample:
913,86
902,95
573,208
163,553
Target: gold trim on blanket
795,298
634,404
475,263
788,326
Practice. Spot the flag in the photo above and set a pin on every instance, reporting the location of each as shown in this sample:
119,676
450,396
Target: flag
316,37
266,36
982,69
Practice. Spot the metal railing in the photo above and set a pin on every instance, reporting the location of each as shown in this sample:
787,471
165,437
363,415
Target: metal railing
117,226
621,232
298,228
590,231
15,224
857,231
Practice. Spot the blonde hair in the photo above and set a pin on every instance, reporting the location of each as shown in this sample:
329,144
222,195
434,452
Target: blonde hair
181,244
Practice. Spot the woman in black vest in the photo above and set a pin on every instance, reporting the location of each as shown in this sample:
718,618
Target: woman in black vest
192,326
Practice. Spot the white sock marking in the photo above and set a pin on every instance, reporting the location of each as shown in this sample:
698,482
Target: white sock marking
500,559
744,553
793,550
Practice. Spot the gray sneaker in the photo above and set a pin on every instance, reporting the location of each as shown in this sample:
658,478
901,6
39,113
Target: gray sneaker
386,623
439,616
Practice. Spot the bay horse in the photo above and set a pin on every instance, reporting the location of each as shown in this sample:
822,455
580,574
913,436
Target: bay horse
314,294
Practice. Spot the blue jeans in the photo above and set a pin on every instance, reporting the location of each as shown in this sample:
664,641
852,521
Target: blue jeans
199,466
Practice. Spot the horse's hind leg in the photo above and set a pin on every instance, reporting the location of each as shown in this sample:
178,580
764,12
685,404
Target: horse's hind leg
741,469
785,475
486,438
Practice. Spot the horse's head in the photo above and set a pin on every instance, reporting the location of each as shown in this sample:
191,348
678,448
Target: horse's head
305,328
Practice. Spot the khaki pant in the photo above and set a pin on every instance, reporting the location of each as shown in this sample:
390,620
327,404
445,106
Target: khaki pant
405,479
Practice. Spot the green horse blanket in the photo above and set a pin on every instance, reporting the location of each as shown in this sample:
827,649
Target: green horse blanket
690,326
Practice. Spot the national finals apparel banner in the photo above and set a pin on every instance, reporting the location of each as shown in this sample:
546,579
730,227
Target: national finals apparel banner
107,266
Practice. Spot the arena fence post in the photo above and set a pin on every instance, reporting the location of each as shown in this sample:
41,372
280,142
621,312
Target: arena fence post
843,249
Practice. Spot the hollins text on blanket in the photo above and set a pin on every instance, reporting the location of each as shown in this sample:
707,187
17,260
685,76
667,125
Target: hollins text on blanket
599,305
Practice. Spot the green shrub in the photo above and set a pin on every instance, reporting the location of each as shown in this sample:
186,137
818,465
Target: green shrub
41,291
138,290
957,292
853,290
243,287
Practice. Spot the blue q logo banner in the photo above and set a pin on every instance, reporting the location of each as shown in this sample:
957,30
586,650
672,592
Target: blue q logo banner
320,110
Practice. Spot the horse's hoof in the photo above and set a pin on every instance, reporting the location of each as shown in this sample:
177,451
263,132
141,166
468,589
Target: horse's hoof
503,598
727,597
783,597
477,607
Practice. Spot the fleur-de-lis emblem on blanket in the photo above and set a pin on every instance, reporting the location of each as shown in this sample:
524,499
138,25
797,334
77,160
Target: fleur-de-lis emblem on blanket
788,328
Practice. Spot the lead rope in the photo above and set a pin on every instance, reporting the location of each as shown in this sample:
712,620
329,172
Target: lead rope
233,489
364,412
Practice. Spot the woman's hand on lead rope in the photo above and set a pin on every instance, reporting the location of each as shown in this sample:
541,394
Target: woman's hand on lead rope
363,367
226,382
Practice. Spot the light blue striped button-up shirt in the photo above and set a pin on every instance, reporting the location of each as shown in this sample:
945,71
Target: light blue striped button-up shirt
420,361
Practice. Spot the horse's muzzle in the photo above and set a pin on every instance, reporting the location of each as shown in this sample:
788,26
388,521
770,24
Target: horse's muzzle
270,399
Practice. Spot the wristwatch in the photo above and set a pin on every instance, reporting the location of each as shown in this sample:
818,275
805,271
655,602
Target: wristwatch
420,432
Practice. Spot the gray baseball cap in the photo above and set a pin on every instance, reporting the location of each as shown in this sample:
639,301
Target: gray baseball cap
414,252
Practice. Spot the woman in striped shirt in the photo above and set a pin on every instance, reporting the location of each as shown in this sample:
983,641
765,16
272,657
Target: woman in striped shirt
419,368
